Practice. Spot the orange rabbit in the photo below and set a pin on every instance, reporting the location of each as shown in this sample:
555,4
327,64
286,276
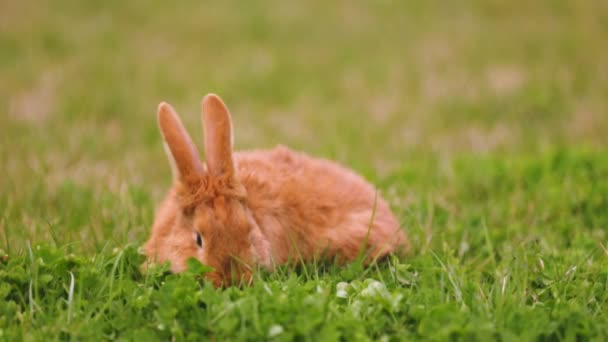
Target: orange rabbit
261,208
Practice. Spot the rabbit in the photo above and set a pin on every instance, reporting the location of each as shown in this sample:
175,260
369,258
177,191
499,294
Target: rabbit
239,211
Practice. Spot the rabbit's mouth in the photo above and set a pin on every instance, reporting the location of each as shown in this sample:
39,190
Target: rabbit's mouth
218,280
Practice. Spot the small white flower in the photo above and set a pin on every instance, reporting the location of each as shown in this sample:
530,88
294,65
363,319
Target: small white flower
342,285
376,286
275,330
341,290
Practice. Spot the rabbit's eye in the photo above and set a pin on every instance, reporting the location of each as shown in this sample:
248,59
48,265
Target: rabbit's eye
199,239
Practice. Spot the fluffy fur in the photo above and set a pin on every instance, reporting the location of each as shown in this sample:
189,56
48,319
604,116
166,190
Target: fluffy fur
261,208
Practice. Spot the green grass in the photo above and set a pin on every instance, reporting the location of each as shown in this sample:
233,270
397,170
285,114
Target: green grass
484,125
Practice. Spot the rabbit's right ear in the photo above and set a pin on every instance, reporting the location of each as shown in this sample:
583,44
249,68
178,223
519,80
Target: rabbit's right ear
182,152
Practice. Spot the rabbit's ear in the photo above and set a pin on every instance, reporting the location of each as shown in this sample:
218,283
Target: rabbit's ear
218,136
182,152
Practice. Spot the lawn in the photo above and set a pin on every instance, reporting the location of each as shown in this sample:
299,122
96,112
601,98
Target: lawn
484,124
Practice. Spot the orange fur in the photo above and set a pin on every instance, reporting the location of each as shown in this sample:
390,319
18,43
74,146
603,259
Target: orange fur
262,208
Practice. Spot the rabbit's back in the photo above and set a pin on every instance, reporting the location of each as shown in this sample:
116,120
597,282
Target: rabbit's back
315,205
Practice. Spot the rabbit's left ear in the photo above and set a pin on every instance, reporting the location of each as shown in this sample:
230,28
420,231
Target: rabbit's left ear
219,138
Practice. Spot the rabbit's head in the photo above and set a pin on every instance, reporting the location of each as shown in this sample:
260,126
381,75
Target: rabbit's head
212,221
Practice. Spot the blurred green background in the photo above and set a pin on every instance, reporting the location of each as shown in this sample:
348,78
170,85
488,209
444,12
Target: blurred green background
379,85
